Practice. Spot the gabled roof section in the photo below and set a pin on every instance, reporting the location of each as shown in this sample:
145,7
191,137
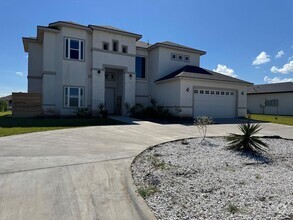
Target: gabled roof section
115,31
271,88
143,44
196,72
172,45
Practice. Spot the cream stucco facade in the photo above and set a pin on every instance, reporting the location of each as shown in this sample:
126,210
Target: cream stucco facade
75,66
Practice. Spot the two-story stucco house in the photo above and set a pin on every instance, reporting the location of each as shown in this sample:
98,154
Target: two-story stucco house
76,66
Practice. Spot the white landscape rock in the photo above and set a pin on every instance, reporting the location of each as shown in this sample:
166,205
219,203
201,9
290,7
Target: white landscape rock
203,180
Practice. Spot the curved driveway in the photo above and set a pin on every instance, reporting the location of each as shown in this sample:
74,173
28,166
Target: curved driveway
84,173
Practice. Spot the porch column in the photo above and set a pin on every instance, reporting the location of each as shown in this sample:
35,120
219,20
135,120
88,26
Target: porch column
129,90
98,90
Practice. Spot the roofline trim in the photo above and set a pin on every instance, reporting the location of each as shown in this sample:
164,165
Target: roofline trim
201,52
198,78
68,24
126,33
262,93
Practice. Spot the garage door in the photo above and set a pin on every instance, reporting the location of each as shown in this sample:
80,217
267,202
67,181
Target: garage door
216,103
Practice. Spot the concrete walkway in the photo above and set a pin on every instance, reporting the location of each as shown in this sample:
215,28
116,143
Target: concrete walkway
84,173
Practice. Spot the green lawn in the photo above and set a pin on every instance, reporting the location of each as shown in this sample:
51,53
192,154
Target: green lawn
286,120
12,126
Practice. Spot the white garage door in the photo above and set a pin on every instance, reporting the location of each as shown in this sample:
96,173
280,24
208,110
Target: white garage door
216,103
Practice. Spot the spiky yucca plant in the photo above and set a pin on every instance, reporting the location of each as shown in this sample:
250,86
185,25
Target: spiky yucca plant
247,141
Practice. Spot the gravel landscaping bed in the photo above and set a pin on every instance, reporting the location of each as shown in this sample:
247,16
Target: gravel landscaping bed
190,179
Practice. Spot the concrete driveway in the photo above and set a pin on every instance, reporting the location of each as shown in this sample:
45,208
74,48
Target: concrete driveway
84,173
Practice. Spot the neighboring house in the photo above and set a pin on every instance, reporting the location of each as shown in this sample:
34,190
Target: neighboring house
8,99
271,99
75,66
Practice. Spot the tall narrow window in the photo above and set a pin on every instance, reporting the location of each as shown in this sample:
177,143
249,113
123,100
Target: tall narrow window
74,49
73,97
140,67
124,49
115,45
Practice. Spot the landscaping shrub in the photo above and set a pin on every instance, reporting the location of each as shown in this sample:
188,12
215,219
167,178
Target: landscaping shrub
82,112
103,112
3,106
246,141
137,110
202,122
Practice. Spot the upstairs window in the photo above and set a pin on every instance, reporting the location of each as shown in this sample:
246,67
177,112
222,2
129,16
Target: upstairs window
73,97
140,67
124,49
105,45
115,45
74,49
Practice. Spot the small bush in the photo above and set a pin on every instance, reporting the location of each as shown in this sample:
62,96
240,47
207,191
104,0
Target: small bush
3,106
137,110
233,208
103,112
147,191
82,112
202,122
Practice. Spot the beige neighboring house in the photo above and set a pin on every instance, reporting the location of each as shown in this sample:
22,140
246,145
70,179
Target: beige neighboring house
76,66
8,99
271,99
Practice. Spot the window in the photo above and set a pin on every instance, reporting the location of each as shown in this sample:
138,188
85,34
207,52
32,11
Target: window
217,93
105,45
222,93
272,103
124,49
231,93
207,92
180,57
173,56
195,91
73,97
140,67
186,59
227,93
212,92
115,45
201,91
74,49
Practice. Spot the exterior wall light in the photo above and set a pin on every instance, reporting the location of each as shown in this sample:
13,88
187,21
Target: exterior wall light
130,75
187,89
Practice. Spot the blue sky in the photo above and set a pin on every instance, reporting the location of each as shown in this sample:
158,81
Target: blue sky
242,38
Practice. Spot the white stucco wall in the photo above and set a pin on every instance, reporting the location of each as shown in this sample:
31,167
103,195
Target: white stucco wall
35,61
285,107
142,94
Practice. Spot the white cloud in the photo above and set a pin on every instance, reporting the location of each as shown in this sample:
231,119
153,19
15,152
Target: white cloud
279,54
277,80
19,73
287,68
290,58
225,70
262,58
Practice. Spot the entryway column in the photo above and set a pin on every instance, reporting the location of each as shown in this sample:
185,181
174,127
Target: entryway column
129,90
98,90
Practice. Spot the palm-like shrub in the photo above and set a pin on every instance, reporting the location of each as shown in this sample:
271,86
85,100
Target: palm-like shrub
246,141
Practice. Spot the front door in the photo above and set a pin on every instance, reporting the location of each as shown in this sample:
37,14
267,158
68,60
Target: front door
110,100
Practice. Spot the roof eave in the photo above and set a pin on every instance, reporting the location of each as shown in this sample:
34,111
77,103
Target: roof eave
27,40
200,52
126,33
59,24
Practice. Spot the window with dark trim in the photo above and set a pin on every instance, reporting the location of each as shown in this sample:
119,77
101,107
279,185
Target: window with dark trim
212,92
74,49
140,67
124,49
73,97
222,93
115,45
105,46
